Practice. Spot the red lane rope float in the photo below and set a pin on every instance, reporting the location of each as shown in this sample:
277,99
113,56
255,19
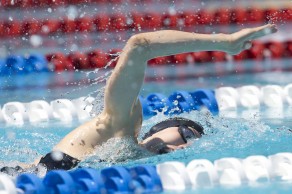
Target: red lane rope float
149,20
53,3
99,59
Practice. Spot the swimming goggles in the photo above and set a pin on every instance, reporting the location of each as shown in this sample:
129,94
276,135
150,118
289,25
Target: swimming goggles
186,133
183,124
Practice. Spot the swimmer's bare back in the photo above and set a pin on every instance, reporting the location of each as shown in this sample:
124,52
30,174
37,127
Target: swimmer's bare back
122,115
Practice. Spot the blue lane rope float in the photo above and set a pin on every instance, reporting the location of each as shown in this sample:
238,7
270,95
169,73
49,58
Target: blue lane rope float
16,64
30,183
88,180
36,62
179,102
205,98
13,64
59,181
154,103
146,178
116,179
2,66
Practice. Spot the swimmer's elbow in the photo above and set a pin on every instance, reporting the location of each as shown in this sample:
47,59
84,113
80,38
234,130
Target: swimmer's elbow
138,41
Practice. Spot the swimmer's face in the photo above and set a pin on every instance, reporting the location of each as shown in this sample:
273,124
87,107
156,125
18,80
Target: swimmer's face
166,140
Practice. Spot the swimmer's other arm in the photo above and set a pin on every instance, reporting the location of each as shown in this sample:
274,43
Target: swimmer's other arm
130,69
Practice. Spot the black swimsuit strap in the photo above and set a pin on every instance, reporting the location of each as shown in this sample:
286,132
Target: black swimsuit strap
174,122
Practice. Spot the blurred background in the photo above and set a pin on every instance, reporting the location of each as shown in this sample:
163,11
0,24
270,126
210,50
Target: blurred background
70,37
81,29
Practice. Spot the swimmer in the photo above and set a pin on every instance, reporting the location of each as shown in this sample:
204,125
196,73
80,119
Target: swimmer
122,114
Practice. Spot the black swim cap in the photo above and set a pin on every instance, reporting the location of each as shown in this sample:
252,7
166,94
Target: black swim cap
174,122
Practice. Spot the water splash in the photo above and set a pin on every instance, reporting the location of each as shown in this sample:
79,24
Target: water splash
98,78
116,151
224,137
27,146
98,104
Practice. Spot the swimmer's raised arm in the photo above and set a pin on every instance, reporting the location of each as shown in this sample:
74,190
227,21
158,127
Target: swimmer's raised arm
169,42
125,83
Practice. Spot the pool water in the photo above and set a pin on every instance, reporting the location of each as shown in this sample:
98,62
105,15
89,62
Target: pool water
259,133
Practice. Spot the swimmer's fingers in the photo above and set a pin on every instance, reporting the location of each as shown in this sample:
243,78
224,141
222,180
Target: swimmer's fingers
254,33
263,31
241,40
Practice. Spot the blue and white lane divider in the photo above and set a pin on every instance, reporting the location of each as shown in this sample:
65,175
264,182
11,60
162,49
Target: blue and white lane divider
167,176
67,110
224,100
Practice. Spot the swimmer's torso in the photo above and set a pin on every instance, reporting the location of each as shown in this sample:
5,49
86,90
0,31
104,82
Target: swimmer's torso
82,141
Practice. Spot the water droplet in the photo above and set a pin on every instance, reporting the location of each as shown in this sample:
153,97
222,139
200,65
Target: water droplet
72,13
57,156
36,40
130,63
172,11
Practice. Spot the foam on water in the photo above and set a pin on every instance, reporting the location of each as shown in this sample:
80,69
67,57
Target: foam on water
118,151
27,147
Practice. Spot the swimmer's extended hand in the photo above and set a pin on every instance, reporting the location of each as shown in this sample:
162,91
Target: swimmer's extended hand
241,40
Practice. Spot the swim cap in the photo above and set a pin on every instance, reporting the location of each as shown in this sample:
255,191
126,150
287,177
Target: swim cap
174,122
